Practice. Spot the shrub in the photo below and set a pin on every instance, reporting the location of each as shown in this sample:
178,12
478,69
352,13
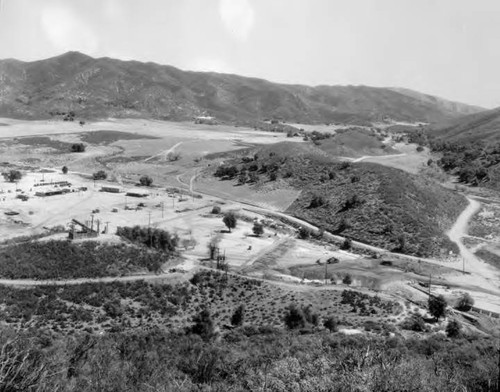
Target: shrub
317,201
294,317
453,329
437,306
415,322
238,316
331,324
304,233
203,324
347,279
215,210
420,149
65,170
146,181
347,244
258,229
229,220
465,302
78,147
100,175
13,175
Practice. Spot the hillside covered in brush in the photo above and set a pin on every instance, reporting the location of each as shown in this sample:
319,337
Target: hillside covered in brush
105,87
469,147
367,202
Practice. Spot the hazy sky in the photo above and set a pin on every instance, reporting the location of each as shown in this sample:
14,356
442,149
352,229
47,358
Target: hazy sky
448,48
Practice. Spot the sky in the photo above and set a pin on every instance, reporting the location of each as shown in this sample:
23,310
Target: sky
447,48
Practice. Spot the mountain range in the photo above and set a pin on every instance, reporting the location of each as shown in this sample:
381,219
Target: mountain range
103,87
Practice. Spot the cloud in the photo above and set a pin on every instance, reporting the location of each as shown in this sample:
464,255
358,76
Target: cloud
238,17
66,31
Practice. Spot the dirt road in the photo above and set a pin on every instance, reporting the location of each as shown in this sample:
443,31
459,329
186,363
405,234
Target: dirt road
164,153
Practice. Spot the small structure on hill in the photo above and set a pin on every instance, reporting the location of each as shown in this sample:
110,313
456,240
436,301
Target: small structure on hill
84,231
111,189
137,193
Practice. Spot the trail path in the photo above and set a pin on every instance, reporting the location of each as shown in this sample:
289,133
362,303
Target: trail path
164,153
377,156
72,282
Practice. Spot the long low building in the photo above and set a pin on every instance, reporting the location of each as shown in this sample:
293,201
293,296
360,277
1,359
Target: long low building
137,193
51,192
111,189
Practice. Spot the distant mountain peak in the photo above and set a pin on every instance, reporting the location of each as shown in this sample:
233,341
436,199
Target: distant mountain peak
105,87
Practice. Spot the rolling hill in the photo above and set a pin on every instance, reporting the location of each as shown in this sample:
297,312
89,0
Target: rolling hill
105,87
483,126
367,202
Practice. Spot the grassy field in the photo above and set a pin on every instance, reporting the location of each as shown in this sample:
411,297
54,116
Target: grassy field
356,142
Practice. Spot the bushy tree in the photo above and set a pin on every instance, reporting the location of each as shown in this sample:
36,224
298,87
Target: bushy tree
331,324
203,324
258,229
146,181
294,317
13,175
453,329
65,170
347,244
465,302
215,210
78,147
347,279
304,233
437,306
238,316
100,175
229,220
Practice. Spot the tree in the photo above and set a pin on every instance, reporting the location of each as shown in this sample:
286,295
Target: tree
347,244
465,302
100,175
65,169
437,306
238,316
229,220
146,181
215,210
331,324
453,329
304,233
258,229
317,201
13,175
203,324
294,317
78,147
347,279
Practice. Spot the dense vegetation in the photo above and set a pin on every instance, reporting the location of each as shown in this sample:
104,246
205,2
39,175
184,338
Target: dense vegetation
364,201
65,260
245,359
154,238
